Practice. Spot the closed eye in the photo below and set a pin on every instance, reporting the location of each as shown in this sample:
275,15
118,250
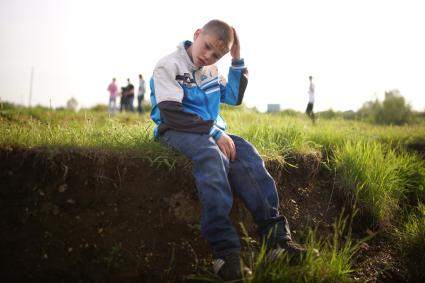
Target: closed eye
209,47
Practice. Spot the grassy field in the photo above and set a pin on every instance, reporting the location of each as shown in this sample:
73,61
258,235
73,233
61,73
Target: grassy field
373,164
273,134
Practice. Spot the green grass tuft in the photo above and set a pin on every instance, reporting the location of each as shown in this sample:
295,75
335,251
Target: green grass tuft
412,236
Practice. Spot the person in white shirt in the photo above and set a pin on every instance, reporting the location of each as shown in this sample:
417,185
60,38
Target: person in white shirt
309,110
141,94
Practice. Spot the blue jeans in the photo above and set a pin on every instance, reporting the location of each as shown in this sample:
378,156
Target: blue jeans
216,176
139,103
112,105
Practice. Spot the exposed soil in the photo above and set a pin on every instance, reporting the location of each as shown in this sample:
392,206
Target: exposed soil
73,215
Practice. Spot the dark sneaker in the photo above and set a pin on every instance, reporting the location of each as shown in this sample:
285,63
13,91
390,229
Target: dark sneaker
231,268
295,251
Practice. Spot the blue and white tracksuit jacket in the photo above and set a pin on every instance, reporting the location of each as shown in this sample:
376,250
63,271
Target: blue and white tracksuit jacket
186,98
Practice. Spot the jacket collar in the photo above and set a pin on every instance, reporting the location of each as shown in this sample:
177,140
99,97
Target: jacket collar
183,52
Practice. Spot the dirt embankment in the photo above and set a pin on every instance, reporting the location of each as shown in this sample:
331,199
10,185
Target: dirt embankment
87,216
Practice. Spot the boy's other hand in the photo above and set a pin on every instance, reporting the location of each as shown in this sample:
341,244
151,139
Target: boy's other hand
227,146
235,51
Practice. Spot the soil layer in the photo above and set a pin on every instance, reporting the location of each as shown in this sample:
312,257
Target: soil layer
73,215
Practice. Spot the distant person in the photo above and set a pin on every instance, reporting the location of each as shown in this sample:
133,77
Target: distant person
130,96
309,110
113,89
186,92
141,94
123,99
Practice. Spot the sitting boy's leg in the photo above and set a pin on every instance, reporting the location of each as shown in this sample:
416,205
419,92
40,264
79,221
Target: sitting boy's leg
210,169
257,189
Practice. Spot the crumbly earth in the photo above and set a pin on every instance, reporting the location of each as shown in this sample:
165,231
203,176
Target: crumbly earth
74,215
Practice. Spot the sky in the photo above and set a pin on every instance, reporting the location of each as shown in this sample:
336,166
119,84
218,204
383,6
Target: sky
355,50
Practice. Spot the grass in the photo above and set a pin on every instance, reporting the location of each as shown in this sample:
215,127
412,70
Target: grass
88,130
370,160
371,165
412,238
381,179
272,134
333,264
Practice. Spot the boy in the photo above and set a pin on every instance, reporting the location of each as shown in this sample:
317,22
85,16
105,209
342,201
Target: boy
186,92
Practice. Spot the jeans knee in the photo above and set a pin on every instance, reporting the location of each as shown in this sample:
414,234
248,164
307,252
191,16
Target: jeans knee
211,158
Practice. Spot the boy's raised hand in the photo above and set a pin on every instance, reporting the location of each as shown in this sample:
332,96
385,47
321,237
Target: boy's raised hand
235,51
227,146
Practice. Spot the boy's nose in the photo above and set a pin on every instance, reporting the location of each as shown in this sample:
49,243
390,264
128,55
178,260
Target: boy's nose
208,56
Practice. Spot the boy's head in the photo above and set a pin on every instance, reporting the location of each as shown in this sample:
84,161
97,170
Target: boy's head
211,42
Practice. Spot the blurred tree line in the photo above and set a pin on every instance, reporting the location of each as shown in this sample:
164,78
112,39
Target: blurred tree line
393,110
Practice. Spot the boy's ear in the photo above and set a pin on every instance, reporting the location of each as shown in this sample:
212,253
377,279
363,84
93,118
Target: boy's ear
197,33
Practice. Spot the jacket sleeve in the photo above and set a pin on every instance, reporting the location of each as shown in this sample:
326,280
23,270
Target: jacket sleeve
169,98
233,91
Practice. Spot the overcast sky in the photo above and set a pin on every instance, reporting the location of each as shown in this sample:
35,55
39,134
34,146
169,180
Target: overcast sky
355,50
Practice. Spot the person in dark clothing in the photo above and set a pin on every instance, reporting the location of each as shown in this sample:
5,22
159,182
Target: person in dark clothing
123,99
129,96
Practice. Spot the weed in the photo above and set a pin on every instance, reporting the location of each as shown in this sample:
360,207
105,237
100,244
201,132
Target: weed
115,257
412,236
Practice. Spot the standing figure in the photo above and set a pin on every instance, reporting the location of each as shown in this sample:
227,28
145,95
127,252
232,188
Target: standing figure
141,94
123,100
129,96
112,88
309,110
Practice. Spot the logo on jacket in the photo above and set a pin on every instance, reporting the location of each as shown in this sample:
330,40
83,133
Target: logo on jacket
186,80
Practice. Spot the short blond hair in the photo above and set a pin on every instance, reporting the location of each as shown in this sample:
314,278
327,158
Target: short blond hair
221,30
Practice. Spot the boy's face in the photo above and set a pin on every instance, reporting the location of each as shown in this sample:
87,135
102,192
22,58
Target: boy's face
207,49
